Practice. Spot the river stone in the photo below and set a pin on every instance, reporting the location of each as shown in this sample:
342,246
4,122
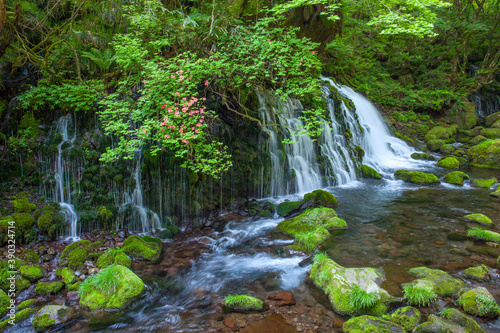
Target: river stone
442,283
441,132
51,315
449,162
416,177
491,119
484,183
110,289
369,172
434,145
147,247
313,199
371,324
470,325
456,178
340,285
408,317
480,273
485,154
45,288
274,323
479,302
32,273
476,140
496,194
439,325
423,156
478,218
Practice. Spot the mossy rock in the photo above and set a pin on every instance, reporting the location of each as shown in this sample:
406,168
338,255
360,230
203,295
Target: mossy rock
4,303
476,140
483,183
113,257
485,154
496,124
447,149
285,208
371,324
19,316
110,289
351,291
438,325
441,133
75,255
46,222
484,235
442,283
423,156
479,130
492,133
449,162
408,317
45,288
21,203
480,273
32,273
369,172
243,303
315,198
416,177
491,119
469,324
478,218
147,248
434,145
309,241
496,194
479,302
51,315
26,304
24,222
30,256
311,219
68,275
456,178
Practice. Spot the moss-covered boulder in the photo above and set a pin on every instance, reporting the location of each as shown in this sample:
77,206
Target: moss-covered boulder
110,289
51,315
434,145
19,316
449,162
483,183
75,255
68,275
476,140
478,218
423,156
32,273
4,303
492,133
416,177
243,303
45,288
313,199
408,317
479,302
496,124
369,172
286,208
469,324
484,235
21,203
441,133
146,247
485,154
480,273
30,256
26,304
491,119
24,222
496,194
46,221
431,283
456,178
436,324
371,324
351,291
447,149
113,256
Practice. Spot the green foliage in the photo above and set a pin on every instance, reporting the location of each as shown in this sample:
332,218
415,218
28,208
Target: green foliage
320,257
102,59
419,296
244,302
484,235
360,299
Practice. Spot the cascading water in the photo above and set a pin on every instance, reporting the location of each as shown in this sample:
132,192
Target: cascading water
63,189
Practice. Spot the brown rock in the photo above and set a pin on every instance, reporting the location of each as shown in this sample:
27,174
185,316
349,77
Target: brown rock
231,324
274,323
283,297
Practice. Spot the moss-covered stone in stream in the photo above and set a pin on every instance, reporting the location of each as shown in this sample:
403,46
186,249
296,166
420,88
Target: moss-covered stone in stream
4,303
51,315
26,304
369,172
437,324
416,177
484,235
18,317
480,273
371,324
469,324
477,140
45,288
423,156
30,256
311,219
147,248
351,291
449,162
485,154
285,208
446,149
479,302
75,254
456,178
491,119
110,289
243,303
113,256
408,317
496,194
434,145
310,240
32,273
68,275
315,198
441,133
483,183
478,218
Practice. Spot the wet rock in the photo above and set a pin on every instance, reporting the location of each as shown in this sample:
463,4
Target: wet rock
479,302
32,273
243,304
282,298
52,315
371,324
442,283
113,257
423,156
479,273
231,324
407,317
470,325
44,288
51,251
439,325
274,323
416,177
478,218
456,178
449,162
73,295
147,248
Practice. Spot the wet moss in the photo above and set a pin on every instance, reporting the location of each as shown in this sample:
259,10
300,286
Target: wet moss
478,218
479,302
285,208
147,248
369,172
480,273
113,256
434,145
449,162
26,304
68,275
32,273
21,203
416,177
310,220
431,283
484,235
45,288
75,255
456,178
408,317
46,222
486,154
4,303
30,256
243,302
469,324
484,183
51,315
371,324
423,156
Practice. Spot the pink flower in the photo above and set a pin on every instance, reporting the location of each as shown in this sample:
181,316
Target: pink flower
198,125
145,81
196,131
192,136
180,71
314,52
309,65
300,63
166,137
172,76
204,97
145,130
206,82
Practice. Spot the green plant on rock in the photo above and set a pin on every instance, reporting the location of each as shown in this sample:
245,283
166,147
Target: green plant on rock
419,296
310,240
484,235
360,299
244,302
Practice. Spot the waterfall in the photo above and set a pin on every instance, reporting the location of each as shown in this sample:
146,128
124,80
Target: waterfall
63,188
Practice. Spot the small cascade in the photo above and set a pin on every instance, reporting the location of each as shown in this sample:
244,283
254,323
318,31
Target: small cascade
486,104
63,188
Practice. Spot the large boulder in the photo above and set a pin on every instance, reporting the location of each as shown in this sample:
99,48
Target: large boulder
51,315
470,325
456,178
486,154
479,302
480,273
146,247
369,172
371,324
478,218
441,133
408,317
313,199
491,119
75,254
449,162
110,289
351,291
416,177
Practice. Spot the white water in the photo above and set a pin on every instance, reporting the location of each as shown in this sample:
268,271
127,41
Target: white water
63,189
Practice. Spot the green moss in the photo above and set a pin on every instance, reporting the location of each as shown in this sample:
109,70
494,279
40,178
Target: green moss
477,140
113,256
75,255
68,275
46,222
310,240
434,145
21,203
24,221
469,324
44,288
285,208
481,273
30,256
32,273
74,286
148,248
408,317
485,154
483,183
369,172
440,132
420,293
447,149
321,198
449,162
423,156
416,177
438,324
431,283
111,288
370,324
51,315
4,303
478,218
456,178
484,235
479,302
310,220
26,304
491,119
244,302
